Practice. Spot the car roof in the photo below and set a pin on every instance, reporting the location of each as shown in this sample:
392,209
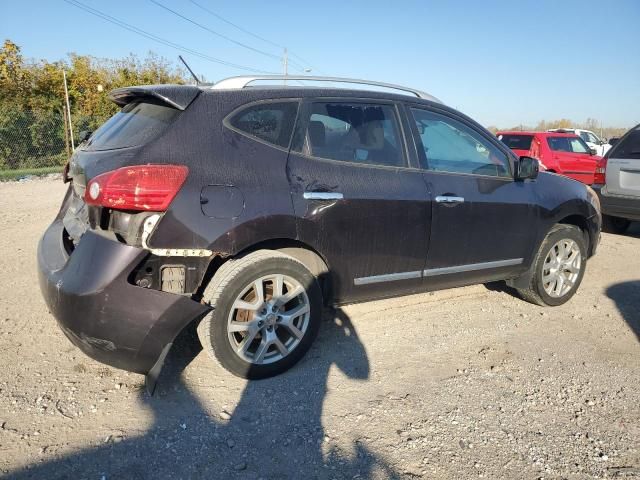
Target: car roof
538,134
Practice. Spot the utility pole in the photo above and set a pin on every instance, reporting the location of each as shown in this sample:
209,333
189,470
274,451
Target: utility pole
600,129
285,64
66,96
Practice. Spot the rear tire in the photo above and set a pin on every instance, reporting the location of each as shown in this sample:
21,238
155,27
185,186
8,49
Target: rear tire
267,310
617,225
558,268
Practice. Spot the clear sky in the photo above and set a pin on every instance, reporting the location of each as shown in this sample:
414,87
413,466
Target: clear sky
501,62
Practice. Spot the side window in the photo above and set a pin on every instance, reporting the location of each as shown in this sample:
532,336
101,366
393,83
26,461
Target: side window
354,132
271,122
585,136
567,144
629,147
578,145
559,144
451,146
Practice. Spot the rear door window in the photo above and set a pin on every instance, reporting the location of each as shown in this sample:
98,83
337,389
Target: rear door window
354,132
271,122
136,124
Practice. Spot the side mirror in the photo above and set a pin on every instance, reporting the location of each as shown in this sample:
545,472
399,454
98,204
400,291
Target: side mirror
527,168
84,135
592,151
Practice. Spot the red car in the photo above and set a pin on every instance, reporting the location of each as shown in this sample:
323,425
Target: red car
563,153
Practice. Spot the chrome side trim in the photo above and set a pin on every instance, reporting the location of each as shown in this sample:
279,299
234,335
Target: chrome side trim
472,267
322,196
389,277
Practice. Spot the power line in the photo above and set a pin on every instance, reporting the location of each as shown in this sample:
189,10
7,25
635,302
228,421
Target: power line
204,27
248,32
158,39
237,26
244,45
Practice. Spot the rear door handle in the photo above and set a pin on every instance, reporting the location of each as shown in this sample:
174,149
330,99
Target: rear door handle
449,199
322,196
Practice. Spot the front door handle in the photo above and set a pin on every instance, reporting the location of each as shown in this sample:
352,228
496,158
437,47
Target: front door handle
446,199
322,196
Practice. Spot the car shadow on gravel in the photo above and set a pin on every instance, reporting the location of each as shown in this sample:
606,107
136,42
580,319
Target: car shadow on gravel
627,298
274,431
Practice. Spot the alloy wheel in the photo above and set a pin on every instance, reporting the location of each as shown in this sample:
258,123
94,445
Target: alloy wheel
561,268
268,319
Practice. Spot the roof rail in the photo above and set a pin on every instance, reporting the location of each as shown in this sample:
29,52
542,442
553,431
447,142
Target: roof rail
243,81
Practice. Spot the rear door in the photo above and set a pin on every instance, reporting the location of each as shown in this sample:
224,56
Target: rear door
623,166
482,219
356,198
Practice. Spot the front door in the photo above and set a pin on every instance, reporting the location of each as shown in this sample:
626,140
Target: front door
356,200
481,220
573,158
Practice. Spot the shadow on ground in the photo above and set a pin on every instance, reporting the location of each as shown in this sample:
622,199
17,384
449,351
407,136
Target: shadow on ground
275,430
627,298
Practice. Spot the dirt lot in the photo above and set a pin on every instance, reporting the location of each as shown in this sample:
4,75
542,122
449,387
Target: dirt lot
467,383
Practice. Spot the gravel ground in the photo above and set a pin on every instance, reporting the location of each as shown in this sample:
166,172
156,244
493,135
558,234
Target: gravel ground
465,383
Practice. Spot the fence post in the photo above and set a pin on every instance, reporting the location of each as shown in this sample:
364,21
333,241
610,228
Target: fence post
66,132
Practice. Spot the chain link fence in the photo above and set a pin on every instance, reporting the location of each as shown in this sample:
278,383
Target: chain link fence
32,139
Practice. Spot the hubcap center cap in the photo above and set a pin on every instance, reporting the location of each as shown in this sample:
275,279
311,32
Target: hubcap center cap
271,318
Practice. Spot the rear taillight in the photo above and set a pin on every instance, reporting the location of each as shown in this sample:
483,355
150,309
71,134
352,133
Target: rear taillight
600,176
140,187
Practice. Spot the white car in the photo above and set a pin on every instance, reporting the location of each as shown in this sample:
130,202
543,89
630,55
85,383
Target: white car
591,139
617,183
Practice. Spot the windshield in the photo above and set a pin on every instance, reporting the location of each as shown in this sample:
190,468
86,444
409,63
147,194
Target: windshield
567,144
135,124
516,142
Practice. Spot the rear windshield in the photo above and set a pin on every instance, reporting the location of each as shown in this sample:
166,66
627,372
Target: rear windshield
567,144
628,147
135,124
517,142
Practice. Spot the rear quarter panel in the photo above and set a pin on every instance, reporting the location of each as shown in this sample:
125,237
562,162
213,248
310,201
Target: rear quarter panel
218,156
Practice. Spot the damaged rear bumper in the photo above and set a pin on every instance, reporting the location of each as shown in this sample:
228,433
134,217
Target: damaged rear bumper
108,318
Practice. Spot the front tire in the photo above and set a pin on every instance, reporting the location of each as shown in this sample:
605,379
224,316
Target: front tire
617,225
267,310
558,268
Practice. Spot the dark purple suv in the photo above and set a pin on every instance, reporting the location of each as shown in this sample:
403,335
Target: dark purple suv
248,208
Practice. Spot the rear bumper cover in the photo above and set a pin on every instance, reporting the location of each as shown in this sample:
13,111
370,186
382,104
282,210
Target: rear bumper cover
624,207
108,318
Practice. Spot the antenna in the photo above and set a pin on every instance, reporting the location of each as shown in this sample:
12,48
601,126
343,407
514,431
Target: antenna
189,68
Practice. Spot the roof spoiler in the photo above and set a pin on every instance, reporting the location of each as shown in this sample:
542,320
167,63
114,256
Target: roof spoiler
174,96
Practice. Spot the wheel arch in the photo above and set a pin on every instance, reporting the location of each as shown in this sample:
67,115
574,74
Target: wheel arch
576,220
301,251
581,222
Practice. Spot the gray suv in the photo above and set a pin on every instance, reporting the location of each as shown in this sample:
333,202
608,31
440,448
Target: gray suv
618,183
